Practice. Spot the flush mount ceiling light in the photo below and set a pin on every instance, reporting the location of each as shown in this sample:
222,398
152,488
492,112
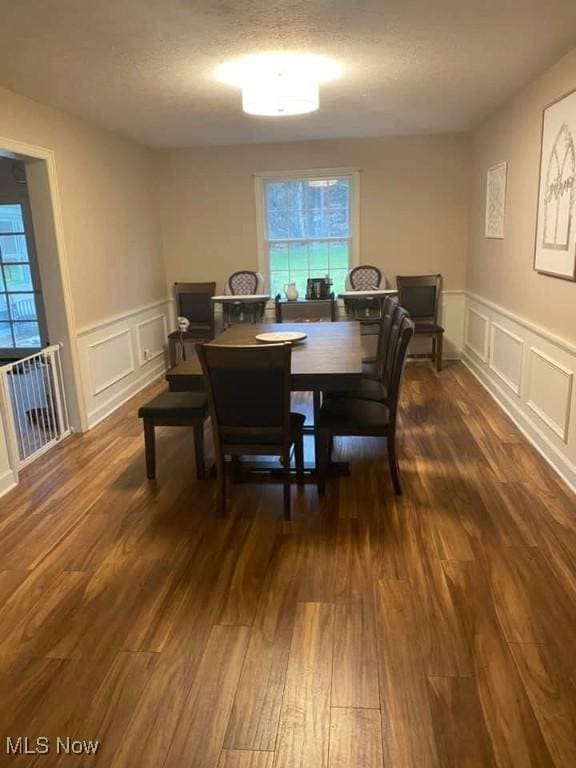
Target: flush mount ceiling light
278,84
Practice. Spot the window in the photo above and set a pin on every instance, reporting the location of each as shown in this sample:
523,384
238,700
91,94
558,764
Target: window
308,228
19,323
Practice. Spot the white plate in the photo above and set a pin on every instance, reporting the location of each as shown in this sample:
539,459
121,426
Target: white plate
276,337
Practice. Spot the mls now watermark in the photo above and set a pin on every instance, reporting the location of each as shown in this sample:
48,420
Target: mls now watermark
62,745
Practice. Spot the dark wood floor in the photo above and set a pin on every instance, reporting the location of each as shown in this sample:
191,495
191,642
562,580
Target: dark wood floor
436,629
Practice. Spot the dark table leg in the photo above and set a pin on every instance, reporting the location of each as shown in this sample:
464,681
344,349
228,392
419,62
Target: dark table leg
332,308
317,403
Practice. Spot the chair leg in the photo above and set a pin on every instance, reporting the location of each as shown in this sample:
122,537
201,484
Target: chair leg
172,352
393,464
439,353
316,405
199,450
235,468
299,458
221,474
150,449
287,489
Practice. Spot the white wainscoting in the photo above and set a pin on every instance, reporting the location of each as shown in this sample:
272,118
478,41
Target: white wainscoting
506,356
8,480
121,355
476,327
550,392
530,373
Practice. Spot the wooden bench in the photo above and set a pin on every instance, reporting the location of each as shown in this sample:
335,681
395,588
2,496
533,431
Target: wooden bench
175,409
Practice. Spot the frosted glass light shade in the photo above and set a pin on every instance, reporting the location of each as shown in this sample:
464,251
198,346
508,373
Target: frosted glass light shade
280,94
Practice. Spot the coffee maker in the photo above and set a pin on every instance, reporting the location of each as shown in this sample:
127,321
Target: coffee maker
318,287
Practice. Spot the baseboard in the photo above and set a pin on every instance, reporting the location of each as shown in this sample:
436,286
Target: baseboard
559,463
112,404
7,482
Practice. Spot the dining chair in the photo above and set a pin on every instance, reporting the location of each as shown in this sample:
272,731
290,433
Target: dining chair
366,418
373,383
244,282
420,295
249,397
194,302
365,277
372,367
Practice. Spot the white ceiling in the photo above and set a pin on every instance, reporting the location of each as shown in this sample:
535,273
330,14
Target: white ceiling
145,68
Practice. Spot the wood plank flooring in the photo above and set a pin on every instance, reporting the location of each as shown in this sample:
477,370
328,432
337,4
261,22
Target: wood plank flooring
373,631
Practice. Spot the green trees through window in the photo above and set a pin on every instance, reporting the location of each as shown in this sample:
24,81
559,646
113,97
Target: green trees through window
307,231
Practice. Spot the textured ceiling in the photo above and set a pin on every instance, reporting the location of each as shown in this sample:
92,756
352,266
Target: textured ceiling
145,68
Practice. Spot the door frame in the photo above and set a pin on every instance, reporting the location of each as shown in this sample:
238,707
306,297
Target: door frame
24,202
19,150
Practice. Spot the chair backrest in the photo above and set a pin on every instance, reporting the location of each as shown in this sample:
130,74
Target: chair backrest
419,294
389,307
365,278
194,301
398,317
249,392
405,334
244,282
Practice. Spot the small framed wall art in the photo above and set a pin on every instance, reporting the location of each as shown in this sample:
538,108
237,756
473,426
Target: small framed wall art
495,200
555,249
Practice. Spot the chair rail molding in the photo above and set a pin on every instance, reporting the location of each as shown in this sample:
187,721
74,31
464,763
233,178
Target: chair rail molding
530,373
112,353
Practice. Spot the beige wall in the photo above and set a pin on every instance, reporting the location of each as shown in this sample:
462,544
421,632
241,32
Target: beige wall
111,228
501,270
413,214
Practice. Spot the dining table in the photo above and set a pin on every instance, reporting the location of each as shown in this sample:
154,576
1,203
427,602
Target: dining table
328,359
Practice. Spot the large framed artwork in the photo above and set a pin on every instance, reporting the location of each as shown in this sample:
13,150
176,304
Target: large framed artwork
495,201
555,250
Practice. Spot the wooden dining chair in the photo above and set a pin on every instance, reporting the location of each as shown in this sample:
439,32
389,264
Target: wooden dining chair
194,302
371,367
420,295
365,418
372,385
249,396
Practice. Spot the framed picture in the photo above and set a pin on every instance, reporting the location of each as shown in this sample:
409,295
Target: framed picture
495,200
555,250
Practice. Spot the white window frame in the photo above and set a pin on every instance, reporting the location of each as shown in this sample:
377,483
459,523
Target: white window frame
353,174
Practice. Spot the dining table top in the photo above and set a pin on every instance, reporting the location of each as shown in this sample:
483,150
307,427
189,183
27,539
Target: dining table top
329,358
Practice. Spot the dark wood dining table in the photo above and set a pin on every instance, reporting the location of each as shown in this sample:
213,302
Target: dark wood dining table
329,359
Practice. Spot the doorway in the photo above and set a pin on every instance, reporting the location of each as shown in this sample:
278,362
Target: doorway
23,329
37,325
